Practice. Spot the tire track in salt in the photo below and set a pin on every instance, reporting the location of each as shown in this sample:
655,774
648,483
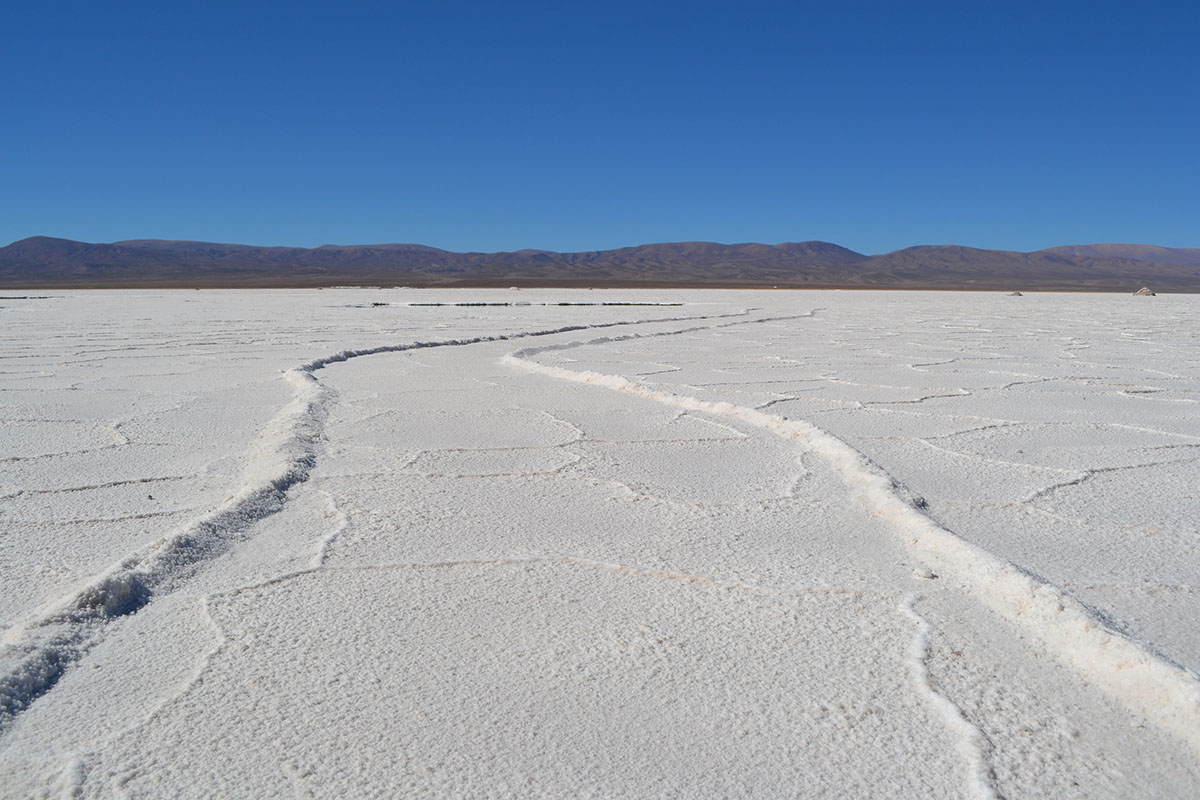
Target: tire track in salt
1144,682
36,652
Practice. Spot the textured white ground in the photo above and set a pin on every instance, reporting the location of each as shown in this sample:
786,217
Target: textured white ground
754,544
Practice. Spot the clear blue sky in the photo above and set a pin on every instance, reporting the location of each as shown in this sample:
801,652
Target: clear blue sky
571,126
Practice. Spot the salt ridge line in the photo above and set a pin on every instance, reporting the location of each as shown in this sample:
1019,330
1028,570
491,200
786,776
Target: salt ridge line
36,652
972,744
1143,682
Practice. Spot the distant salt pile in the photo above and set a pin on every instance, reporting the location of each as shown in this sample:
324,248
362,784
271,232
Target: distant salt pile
1144,292
1016,294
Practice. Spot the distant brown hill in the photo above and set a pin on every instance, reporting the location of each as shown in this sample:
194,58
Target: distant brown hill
45,262
1133,252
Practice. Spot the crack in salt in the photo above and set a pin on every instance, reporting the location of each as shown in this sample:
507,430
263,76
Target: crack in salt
37,651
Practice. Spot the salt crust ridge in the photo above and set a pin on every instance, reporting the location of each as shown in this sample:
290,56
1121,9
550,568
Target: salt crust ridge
36,652
973,744
1145,683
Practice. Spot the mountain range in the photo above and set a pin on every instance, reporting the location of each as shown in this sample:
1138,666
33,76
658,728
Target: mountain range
46,262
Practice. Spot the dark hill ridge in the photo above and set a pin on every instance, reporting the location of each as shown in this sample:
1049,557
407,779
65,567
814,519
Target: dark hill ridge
1134,252
45,262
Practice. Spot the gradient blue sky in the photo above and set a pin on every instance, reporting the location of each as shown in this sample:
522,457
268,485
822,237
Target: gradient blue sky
583,126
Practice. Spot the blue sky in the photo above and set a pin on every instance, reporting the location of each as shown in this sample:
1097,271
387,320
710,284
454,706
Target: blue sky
491,126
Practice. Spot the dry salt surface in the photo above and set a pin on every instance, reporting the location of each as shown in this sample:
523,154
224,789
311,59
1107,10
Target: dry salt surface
716,544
